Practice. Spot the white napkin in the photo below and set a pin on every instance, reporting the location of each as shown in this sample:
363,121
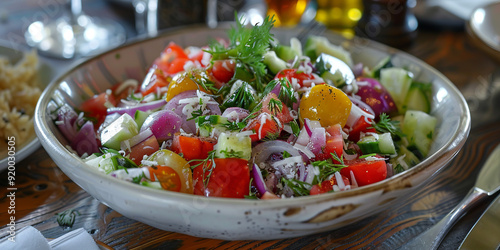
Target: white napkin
26,238
30,238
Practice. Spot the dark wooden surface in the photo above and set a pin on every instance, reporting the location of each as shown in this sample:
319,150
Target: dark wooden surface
43,190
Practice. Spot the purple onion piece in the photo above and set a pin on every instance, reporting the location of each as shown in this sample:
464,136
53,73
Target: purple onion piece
85,140
164,124
142,107
66,118
258,179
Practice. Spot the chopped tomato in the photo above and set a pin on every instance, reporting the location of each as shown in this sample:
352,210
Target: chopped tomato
293,75
191,147
146,147
167,176
264,125
334,143
165,157
154,79
97,107
365,171
228,177
327,186
364,125
223,70
186,81
277,108
172,59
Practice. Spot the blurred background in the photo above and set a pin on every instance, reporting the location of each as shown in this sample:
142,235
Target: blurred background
68,28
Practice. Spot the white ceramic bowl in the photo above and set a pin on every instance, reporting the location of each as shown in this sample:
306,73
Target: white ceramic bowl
239,219
483,28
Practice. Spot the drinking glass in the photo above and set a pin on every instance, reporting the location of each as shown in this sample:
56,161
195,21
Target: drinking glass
339,15
74,34
286,12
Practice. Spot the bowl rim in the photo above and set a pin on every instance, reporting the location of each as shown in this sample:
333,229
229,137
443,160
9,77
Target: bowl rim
441,156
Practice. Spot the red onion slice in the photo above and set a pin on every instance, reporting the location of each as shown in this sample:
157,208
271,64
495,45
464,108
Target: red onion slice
85,140
258,179
317,141
142,107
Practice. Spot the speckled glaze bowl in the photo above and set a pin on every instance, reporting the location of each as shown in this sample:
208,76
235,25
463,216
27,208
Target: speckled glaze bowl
239,219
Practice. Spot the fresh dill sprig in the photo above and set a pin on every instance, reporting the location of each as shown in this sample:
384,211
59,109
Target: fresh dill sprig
286,93
299,188
275,106
386,125
232,153
242,97
208,165
328,167
247,47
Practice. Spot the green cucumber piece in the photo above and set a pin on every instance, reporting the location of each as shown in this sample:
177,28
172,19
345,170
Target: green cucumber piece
380,144
386,145
418,97
288,53
119,130
233,146
397,81
315,45
383,64
273,62
368,144
140,117
152,184
419,128
206,124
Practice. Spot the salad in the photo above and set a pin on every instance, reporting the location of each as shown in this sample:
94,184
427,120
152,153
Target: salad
250,117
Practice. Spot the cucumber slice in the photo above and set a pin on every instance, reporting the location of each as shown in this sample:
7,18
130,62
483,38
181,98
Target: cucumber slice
140,117
368,144
206,124
417,100
386,145
385,63
296,46
119,130
288,53
315,45
418,97
273,62
152,184
397,81
381,144
233,146
419,128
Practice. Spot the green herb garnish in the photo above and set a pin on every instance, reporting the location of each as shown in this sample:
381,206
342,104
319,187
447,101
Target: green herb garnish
242,97
299,188
67,218
327,168
247,47
386,125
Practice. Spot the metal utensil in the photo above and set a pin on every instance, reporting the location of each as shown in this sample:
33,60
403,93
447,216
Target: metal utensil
484,234
487,183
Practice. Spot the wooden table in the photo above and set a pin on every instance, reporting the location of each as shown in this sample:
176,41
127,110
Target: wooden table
43,190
